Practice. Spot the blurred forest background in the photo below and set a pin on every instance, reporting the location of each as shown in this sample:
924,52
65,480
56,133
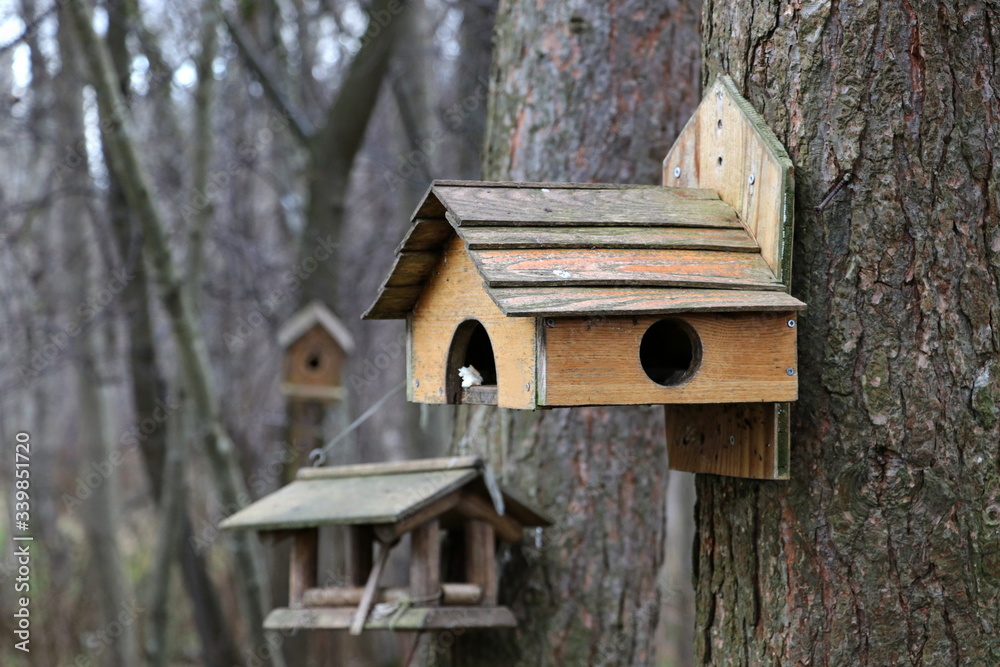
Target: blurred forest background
283,144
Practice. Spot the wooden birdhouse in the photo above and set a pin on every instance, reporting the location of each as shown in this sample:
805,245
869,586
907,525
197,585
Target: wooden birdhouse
429,500
567,294
316,344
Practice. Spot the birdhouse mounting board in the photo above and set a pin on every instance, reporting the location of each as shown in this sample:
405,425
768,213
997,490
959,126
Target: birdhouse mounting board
726,146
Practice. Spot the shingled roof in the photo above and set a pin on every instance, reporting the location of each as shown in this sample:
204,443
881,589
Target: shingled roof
564,249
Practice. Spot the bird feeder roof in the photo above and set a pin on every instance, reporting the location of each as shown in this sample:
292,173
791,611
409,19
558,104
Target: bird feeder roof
372,494
572,249
315,314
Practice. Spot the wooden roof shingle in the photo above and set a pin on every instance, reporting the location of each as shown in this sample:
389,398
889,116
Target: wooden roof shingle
566,249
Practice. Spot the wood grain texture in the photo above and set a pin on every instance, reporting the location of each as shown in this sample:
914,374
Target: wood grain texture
454,294
594,301
426,234
303,565
744,358
414,618
371,587
386,499
621,206
673,268
480,559
425,563
727,146
682,238
393,303
390,467
686,193
736,439
452,594
314,360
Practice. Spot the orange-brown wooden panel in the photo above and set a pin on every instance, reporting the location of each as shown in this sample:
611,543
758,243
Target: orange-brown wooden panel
745,357
314,360
736,439
452,295
683,238
678,268
590,301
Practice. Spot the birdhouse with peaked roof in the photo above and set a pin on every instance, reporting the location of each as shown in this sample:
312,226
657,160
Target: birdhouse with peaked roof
316,344
428,500
536,295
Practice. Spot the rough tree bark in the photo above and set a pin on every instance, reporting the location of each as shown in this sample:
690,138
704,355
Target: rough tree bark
882,549
581,92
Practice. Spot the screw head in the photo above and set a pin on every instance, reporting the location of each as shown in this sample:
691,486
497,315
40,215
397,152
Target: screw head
732,440
791,323
751,179
677,172
790,371
416,383
549,322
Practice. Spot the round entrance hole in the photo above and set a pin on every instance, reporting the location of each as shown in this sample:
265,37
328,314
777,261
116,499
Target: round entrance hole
670,352
313,361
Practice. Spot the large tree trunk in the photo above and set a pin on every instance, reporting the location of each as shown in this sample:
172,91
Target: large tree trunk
587,94
882,549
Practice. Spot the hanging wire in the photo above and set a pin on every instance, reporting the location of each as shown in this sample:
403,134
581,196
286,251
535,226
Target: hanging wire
318,455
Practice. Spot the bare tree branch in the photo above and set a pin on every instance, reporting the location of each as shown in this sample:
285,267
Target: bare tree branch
302,127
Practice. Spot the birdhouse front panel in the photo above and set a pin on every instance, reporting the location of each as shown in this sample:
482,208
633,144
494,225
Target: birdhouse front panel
456,325
684,358
314,360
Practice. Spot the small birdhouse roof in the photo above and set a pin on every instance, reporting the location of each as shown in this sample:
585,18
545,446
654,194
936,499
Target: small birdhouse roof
565,249
376,493
313,314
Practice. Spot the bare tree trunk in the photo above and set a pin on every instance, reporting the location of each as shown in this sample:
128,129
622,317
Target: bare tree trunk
231,487
582,93
882,548
101,510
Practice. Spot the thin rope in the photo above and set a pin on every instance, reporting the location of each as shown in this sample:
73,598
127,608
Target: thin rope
318,455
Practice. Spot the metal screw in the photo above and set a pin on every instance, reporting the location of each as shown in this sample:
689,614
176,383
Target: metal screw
550,323
752,179
677,172
732,440
791,323
790,371
416,383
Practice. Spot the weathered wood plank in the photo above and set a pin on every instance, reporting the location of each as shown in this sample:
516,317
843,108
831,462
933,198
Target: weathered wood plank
391,467
426,234
307,503
480,555
474,506
745,358
590,301
412,268
482,395
574,207
738,440
303,565
393,303
391,532
687,193
726,146
425,563
415,618
350,596
684,238
667,268
368,596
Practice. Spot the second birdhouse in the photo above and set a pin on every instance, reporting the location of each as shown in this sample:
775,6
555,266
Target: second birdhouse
316,344
527,295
